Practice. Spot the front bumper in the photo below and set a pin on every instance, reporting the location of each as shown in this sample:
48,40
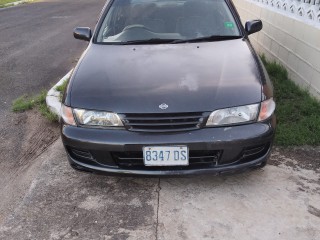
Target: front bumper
235,148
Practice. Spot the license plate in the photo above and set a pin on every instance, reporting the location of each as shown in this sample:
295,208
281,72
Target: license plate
166,156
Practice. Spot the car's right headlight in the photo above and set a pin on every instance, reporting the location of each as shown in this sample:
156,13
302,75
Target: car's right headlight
242,114
234,115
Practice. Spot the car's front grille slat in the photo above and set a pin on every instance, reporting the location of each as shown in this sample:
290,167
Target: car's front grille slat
203,157
166,122
163,118
163,129
128,158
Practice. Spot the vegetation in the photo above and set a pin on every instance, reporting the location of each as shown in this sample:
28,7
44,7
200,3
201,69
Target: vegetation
298,113
4,3
62,87
39,101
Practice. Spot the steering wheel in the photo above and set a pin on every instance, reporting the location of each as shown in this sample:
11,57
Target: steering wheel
136,27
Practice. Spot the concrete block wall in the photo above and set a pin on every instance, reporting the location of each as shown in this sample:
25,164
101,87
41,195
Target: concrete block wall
290,41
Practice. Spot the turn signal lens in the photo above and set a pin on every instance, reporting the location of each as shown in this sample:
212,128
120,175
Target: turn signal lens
267,109
67,115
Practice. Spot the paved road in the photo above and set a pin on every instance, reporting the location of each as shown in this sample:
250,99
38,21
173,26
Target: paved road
36,44
36,49
280,202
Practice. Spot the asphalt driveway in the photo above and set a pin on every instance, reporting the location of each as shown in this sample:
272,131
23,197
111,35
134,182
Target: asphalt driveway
36,49
281,201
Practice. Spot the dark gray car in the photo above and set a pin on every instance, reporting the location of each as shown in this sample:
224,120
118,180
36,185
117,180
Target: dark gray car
168,87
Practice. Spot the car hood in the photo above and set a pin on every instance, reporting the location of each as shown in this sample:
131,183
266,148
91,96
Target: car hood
188,77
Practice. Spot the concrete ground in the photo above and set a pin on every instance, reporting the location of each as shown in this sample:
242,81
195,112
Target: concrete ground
41,197
281,201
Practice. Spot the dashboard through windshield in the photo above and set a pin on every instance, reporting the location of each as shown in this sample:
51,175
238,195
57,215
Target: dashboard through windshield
162,21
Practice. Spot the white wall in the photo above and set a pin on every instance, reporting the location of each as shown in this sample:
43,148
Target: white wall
292,42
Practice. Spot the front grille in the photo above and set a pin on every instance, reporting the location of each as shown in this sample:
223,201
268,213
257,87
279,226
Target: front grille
197,159
164,122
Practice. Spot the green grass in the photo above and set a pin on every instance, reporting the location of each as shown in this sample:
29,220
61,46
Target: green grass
298,113
62,87
4,2
22,103
39,101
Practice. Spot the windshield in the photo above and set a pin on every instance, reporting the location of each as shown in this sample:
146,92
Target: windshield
130,21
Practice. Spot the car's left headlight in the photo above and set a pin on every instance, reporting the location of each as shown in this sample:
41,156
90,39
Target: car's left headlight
97,118
242,114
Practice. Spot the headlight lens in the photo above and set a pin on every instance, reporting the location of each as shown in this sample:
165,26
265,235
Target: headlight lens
233,115
97,118
242,114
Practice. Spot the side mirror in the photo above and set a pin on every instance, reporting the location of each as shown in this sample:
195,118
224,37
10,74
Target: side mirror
82,33
253,26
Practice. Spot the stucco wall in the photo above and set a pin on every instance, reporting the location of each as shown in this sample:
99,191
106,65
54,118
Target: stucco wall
290,41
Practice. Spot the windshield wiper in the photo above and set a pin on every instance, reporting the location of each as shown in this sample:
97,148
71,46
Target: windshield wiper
207,39
150,41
